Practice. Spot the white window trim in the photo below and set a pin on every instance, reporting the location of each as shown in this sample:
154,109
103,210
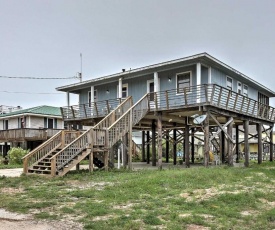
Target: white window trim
241,87
227,77
177,82
123,85
148,84
247,90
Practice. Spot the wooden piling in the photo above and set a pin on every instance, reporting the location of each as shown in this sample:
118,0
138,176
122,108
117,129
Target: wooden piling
246,145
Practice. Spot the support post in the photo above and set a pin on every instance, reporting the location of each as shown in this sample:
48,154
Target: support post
223,146
174,146
246,145
206,140
271,144
230,143
143,146
77,167
237,145
106,156
193,146
260,143
154,160
148,147
130,141
167,146
160,140
186,143
91,161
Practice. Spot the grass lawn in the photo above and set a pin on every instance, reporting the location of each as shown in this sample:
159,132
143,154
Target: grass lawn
195,198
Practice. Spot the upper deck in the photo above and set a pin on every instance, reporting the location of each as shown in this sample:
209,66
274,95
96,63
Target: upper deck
182,103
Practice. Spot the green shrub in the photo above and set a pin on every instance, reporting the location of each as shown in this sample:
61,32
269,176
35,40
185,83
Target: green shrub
15,155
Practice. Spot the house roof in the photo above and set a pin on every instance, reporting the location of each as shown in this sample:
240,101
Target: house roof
39,110
204,58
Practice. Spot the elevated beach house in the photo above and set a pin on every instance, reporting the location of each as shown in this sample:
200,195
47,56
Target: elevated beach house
168,101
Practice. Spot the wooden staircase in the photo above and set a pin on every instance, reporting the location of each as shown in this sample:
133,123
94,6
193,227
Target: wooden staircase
66,149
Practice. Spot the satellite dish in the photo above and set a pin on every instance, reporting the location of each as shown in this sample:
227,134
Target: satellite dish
199,119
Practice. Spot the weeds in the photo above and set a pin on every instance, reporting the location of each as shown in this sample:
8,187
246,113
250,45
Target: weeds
217,197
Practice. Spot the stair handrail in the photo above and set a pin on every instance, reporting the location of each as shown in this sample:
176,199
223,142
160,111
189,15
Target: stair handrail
59,140
119,128
80,143
112,116
36,154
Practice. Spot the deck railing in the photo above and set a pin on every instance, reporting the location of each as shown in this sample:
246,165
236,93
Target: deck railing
214,95
89,110
27,134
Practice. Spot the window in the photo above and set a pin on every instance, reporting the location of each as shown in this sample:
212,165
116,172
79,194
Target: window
5,124
245,90
183,81
124,91
50,123
229,83
239,88
263,99
89,97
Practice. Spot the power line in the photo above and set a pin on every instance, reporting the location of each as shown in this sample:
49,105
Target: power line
39,78
27,92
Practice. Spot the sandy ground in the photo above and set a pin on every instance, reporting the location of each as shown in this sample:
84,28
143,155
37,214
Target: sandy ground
14,221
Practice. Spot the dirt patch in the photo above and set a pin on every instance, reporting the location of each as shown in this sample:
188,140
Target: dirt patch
11,221
107,217
96,185
12,190
196,227
123,207
39,225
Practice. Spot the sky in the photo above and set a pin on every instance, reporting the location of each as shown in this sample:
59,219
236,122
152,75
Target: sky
45,38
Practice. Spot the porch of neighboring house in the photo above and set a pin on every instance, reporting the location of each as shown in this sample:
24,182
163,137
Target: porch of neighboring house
26,138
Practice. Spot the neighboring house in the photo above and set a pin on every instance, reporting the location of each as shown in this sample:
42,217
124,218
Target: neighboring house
174,99
28,128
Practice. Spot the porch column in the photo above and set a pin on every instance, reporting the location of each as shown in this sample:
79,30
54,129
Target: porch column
160,140
120,87
198,70
230,144
156,82
143,146
246,145
92,95
260,143
206,141
186,143
154,163
271,144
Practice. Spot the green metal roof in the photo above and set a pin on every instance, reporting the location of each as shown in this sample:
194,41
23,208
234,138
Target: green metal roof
41,110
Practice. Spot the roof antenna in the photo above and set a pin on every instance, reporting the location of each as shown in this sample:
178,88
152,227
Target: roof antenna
80,74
